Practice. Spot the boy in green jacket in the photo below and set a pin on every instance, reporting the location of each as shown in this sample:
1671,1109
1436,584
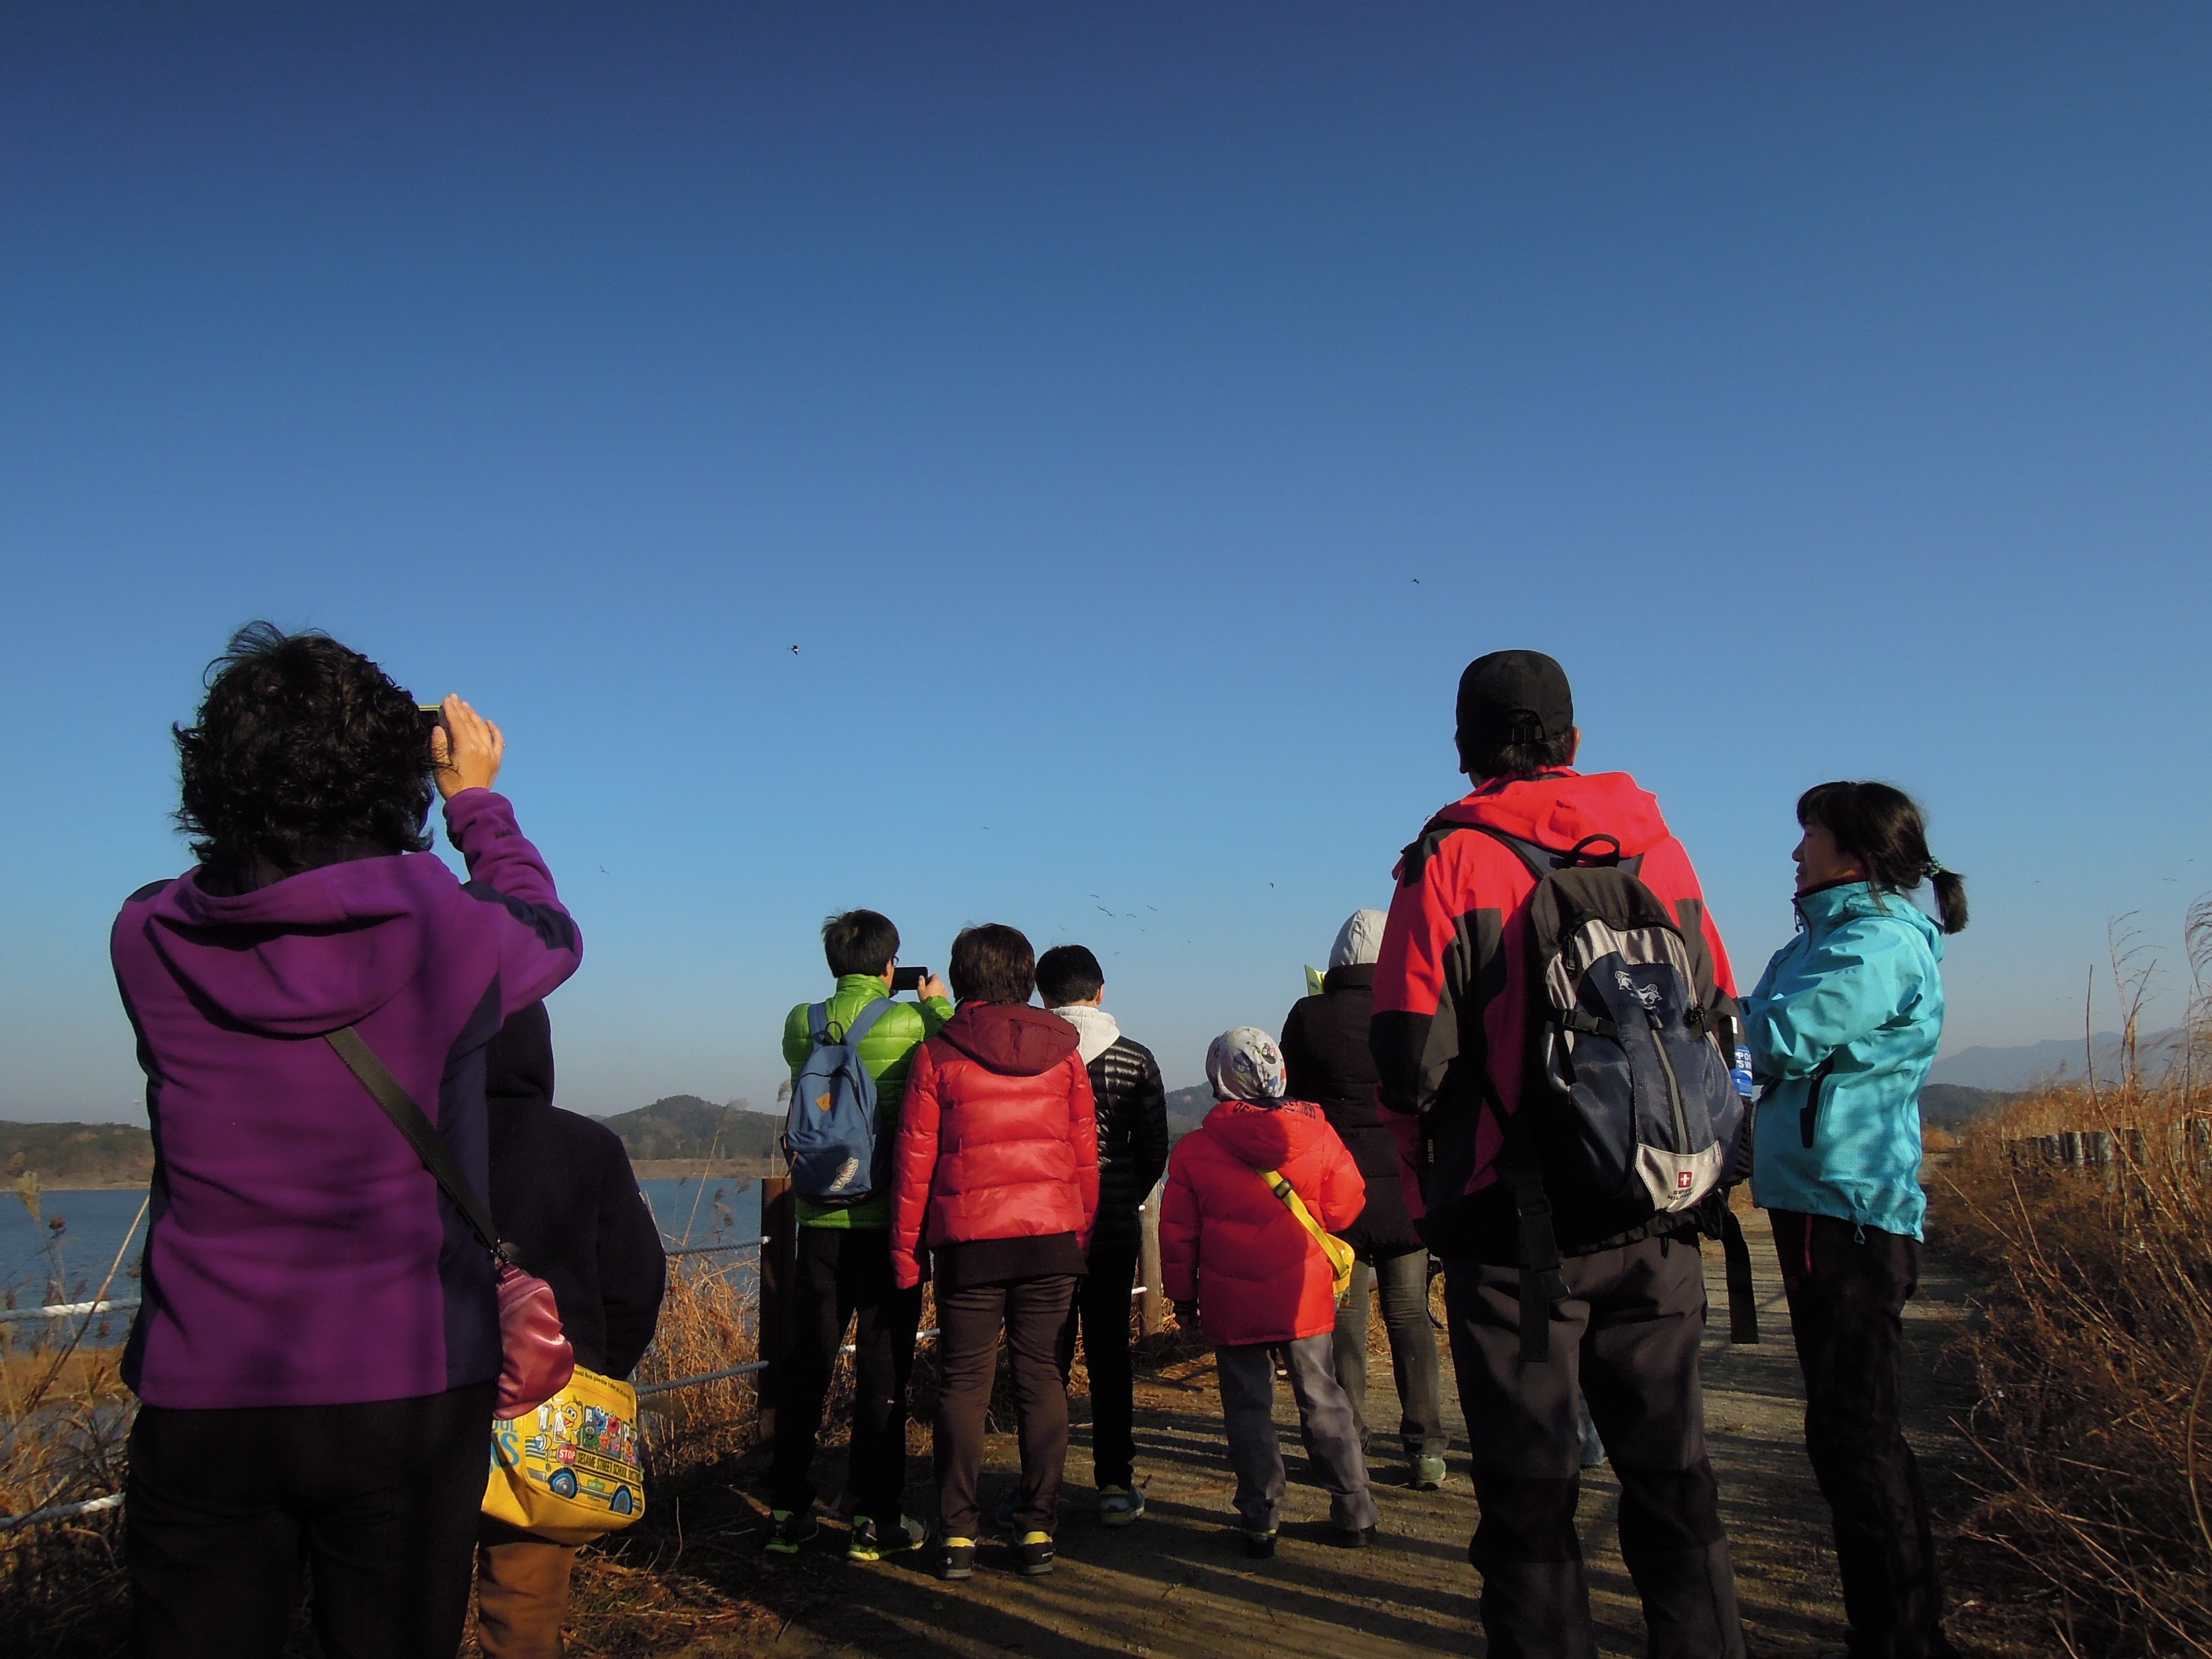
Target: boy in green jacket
843,1275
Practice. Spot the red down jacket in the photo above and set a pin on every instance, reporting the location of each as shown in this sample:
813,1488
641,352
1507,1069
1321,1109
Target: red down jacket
1229,1244
998,1137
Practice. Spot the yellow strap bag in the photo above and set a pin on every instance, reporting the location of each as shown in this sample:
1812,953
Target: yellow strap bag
1340,1255
572,1468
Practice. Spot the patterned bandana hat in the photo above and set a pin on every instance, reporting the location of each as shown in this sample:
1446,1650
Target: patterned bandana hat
1245,1065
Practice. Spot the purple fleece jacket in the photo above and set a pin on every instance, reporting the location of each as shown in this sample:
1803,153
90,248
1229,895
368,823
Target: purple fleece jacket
299,1254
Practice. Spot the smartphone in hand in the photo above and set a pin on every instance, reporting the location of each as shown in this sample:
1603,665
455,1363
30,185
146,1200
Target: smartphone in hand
907,979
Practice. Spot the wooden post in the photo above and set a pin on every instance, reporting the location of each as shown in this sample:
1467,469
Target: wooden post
779,1261
1154,1316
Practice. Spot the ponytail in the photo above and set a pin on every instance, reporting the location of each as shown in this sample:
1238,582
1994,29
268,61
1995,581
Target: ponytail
1950,898
1881,826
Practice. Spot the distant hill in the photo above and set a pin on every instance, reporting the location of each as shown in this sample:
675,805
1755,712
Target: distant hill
2031,1063
686,1126
77,1154
1186,1108
1952,1105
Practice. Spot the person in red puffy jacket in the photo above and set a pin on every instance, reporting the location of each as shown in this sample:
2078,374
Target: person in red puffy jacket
996,1176
1238,1258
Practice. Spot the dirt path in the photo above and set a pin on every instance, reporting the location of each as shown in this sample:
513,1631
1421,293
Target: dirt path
1177,1584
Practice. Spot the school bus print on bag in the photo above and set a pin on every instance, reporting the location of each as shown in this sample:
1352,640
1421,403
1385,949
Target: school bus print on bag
572,1469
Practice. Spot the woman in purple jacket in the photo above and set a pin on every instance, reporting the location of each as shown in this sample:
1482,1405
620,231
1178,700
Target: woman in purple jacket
318,1344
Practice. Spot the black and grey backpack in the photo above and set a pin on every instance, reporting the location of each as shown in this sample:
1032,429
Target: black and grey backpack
1629,1122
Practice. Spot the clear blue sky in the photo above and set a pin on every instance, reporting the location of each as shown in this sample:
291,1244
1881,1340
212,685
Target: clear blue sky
1137,416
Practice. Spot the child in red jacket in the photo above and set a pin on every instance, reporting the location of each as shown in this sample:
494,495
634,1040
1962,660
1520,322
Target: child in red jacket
1237,1259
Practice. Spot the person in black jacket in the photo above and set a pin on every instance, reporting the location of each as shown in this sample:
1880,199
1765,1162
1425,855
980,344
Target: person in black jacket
563,1193
1133,1155
1325,1051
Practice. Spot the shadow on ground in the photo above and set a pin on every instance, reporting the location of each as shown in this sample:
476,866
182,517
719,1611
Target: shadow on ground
1177,1584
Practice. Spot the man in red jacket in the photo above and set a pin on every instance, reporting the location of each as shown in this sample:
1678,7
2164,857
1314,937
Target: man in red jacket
1452,1012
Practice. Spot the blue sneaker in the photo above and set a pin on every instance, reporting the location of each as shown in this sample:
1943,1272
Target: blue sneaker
1119,1505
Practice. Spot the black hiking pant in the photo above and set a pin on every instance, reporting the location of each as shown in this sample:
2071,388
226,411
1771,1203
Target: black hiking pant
1847,1287
1100,1310
378,1501
843,1277
1627,1339
1031,1312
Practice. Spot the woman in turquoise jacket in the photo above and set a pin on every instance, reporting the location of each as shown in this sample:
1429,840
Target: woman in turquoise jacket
1843,1028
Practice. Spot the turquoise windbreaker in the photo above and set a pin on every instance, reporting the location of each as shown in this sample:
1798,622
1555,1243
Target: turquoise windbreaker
1850,1008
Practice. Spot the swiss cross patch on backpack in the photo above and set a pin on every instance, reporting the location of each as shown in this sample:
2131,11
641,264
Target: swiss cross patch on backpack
830,1135
1627,1097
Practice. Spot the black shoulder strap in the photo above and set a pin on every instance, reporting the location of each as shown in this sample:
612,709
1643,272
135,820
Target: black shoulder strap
1543,1286
1743,1300
407,1117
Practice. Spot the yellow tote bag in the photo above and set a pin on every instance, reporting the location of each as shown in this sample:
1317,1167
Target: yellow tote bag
572,1469
1340,1255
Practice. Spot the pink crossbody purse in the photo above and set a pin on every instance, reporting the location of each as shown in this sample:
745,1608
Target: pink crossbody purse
536,1361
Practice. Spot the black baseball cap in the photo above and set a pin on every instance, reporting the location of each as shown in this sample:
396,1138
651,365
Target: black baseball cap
1513,696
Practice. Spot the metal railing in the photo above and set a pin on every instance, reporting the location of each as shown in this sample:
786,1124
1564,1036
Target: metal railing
778,1245
65,1310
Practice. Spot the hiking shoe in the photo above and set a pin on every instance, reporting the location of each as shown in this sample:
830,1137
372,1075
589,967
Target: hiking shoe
1428,1473
788,1531
957,1559
1260,1545
1119,1505
869,1543
1034,1553
1352,1538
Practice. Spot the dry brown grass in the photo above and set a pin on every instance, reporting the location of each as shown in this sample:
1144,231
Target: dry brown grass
65,1416
710,1321
2093,1358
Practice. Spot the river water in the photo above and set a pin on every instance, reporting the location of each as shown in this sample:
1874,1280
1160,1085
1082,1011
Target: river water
39,1262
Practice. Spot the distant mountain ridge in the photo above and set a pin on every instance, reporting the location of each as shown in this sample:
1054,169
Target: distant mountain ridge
686,1126
79,1154
2028,1064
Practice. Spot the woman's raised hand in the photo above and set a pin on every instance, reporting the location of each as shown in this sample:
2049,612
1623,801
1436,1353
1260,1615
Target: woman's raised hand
467,749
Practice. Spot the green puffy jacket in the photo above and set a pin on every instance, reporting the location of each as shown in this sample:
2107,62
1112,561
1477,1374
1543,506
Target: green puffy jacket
1846,1022
887,1051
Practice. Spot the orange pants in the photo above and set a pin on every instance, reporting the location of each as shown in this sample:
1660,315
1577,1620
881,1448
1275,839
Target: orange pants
522,1593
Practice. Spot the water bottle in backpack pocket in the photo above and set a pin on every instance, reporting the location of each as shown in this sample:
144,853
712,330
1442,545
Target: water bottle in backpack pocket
830,1135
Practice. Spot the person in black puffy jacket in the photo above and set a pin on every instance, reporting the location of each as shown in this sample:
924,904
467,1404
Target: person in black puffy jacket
1325,1050
563,1195
1133,1155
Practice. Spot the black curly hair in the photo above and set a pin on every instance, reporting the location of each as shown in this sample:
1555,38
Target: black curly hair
304,752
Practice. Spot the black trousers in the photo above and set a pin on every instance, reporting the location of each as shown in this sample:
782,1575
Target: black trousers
1100,1308
1626,1339
844,1277
1032,1312
378,1501
1847,1288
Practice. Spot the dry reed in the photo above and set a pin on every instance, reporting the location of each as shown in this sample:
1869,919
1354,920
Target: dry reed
2093,1356
62,1588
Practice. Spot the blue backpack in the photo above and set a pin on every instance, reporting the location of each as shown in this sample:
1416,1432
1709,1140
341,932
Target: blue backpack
829,1136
